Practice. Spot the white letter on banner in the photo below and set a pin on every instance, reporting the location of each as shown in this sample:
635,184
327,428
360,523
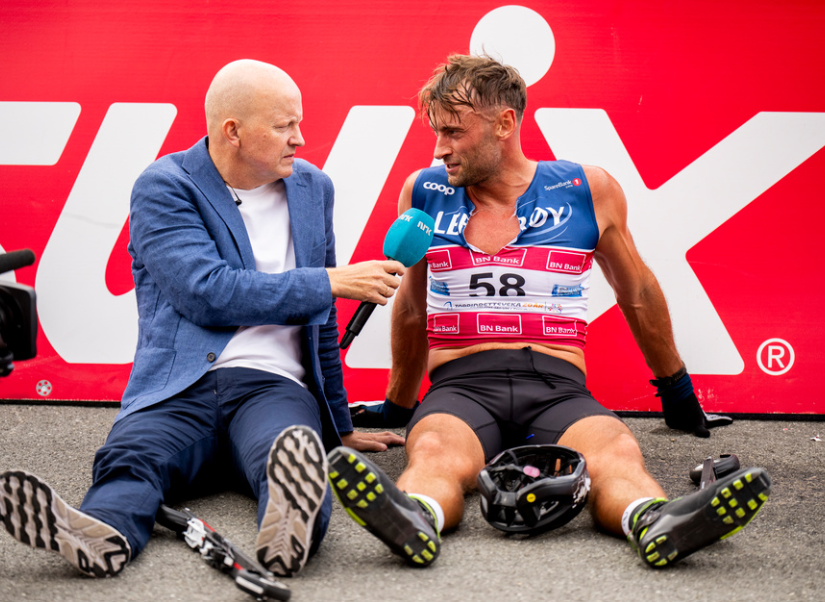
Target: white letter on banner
83,321
696,201
35,133
359,164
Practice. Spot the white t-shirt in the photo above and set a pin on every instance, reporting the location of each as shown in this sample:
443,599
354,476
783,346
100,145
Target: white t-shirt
270,348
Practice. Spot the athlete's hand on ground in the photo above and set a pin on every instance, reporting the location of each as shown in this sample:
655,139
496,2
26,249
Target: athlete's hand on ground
686,415
371,441
373,281
680,406
385,415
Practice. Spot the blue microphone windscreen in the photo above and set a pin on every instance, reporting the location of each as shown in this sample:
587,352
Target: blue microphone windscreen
409,237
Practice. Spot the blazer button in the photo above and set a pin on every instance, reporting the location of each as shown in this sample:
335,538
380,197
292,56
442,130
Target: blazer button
211,357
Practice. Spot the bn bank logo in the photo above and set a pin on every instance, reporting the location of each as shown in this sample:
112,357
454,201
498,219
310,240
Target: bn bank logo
87,324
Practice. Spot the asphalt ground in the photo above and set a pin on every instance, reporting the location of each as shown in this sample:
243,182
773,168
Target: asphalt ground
779,556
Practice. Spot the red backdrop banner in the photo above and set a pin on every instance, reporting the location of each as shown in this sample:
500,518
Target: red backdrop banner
710,115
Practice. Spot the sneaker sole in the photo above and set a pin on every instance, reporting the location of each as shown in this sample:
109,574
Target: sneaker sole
362,490
35,515
731,504
297,476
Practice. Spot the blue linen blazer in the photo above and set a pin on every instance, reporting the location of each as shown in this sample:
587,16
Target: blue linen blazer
196,283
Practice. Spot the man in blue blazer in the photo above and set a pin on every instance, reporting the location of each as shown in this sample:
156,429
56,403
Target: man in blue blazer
237,366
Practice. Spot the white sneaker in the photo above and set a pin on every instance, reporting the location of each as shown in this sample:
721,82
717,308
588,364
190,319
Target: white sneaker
297,475
36,516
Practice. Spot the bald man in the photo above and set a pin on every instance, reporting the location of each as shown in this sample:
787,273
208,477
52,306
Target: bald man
237,376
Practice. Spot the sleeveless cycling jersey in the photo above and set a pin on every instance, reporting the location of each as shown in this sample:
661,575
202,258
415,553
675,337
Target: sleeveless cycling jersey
536,288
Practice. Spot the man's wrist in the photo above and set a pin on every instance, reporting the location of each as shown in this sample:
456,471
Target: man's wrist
669,381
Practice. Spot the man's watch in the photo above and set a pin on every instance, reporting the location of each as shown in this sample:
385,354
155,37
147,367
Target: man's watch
669,381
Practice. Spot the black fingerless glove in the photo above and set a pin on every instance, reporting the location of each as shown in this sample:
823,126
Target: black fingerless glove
679,404
382,415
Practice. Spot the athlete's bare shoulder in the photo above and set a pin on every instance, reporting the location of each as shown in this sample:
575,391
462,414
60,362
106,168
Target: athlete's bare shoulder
609,202
405,199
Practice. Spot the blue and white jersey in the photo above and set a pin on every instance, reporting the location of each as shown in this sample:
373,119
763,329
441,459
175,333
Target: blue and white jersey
533,289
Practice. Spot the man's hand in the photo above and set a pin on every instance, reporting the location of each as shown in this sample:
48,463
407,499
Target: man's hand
680,406
685,415
385,415
371,441
373,281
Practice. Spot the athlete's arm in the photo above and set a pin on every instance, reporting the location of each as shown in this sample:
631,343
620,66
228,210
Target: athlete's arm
408,337
640,298
637,291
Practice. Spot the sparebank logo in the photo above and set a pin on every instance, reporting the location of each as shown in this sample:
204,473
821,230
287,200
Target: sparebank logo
447,190
564,184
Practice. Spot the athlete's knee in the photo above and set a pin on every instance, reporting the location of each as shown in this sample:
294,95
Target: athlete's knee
619,454
427,446
433,449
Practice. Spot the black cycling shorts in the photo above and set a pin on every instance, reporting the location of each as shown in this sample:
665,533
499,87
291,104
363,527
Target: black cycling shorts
510,397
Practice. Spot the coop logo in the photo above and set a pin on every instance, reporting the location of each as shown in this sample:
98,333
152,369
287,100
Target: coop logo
447,190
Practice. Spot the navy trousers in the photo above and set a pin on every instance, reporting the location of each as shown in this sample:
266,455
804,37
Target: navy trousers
218,431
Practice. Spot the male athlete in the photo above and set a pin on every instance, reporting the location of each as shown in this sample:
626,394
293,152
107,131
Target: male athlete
496,314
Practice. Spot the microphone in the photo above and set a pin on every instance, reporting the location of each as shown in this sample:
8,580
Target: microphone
16,260
406,242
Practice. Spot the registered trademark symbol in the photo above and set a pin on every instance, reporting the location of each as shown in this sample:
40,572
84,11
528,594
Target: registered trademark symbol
775,356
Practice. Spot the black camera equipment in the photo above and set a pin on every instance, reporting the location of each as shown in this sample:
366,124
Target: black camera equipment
18,314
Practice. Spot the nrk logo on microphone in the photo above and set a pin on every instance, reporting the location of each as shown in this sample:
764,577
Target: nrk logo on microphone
702,170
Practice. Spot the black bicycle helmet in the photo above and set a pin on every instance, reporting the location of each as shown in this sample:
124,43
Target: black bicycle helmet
533,488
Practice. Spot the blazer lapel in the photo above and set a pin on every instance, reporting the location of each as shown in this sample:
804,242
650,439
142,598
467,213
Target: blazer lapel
303,217
206,177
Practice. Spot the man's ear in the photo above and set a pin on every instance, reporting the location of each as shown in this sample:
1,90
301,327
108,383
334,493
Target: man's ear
506,123
229,129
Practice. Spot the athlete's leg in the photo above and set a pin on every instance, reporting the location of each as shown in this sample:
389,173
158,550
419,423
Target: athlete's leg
444,454
616,466
444,458
448,439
